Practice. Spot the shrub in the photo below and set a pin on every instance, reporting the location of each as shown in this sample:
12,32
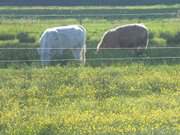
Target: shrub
24,37
151,35
7,37
168,36
9,56
171,38
158,41
177,38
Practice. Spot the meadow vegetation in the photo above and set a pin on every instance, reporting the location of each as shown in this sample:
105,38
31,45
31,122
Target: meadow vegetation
26,33
126,99
102,98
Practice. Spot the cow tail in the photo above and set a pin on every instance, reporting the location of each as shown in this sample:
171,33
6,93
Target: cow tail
84,48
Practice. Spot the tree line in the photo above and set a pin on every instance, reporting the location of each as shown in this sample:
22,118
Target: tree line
85,2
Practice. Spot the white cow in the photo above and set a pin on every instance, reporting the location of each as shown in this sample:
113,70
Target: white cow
56,40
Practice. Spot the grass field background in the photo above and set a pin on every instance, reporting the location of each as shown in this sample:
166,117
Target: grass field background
132,99
161,20
101,98
163,33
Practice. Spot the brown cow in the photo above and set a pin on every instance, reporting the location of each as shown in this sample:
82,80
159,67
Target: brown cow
133,36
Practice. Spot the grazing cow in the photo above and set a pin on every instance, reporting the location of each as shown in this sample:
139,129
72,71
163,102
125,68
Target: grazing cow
133,36
55,40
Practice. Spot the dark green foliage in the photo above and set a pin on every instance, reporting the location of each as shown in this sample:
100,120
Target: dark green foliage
48,130
18,54
86,2
24,37
177,38
168,36
91,12
151,35
171,38
4,36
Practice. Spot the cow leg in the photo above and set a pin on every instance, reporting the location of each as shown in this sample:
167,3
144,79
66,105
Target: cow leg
45,58
60,53
139,51
77,54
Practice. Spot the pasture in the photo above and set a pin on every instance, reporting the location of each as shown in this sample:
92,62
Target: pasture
136,97
163,33
22,27
125,99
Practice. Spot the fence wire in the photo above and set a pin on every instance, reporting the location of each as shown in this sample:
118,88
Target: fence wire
102,58
91,15
91,59
135,48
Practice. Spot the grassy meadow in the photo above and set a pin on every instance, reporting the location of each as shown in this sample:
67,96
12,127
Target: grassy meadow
21,27
133,99
101,98
163,33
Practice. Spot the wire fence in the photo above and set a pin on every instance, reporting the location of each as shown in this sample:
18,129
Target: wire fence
132,48
30,75
91,59
92,15
175,14
94,58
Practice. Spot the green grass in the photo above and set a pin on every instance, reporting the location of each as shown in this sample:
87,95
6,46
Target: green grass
86,9
126,99
95,29
175,6
141,98
95,24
